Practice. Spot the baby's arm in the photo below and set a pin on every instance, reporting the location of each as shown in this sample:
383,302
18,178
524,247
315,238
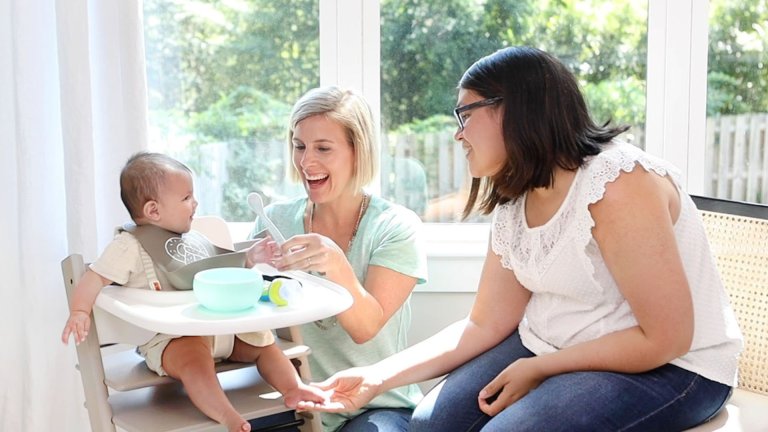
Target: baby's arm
79,321
262,251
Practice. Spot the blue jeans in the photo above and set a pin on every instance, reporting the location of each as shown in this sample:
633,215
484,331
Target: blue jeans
379,420
667,398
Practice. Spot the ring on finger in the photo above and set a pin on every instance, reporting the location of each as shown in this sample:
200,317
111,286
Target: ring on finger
309,261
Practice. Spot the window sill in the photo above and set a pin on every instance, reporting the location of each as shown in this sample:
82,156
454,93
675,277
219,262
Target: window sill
459,240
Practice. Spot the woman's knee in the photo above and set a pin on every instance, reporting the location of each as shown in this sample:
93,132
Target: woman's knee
448,407
379,419
452,405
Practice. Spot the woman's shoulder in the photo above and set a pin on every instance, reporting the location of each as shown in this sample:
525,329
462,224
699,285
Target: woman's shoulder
286,207
616,158
384,211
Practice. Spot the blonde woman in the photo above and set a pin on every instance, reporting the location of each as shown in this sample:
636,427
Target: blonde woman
360,241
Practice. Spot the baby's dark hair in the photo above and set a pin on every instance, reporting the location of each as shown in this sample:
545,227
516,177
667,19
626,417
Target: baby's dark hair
142,177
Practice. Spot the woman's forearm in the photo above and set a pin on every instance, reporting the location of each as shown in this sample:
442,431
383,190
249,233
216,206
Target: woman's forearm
626,351
435,356
384,292
362,320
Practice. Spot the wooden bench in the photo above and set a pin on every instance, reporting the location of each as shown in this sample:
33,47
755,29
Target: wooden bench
738,235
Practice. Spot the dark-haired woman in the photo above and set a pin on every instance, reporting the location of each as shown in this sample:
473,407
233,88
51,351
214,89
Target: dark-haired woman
599,306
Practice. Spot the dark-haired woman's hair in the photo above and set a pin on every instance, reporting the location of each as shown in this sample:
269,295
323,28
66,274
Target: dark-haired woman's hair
545,124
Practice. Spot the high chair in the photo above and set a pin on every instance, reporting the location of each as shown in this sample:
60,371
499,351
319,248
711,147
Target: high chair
738,235
121,393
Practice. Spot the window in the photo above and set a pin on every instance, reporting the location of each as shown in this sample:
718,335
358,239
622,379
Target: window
426,46
222,77
736,145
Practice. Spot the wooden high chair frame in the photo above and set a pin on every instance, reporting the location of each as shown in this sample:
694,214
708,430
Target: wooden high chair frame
121,393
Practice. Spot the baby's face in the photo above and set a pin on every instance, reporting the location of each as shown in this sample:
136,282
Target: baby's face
176,202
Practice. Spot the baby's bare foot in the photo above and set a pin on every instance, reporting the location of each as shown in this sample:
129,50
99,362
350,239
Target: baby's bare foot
238,425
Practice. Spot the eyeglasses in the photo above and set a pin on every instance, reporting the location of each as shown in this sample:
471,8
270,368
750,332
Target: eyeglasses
481,103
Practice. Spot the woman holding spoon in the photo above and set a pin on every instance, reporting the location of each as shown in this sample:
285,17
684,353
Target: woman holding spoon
362,242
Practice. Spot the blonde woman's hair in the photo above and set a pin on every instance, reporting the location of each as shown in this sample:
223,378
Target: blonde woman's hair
142,177
352,112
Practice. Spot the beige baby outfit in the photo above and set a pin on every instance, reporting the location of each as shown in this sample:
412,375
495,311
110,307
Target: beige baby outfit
171,265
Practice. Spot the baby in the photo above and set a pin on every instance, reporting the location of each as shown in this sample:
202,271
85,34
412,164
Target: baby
158,192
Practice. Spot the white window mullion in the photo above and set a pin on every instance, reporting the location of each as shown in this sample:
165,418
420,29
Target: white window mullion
350,49
349,46
677,85
329,42
698,113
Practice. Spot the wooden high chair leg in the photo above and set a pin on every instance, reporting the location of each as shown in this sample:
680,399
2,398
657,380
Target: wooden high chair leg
89,357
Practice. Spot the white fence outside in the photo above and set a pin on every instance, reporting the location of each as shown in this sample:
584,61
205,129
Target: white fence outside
737,157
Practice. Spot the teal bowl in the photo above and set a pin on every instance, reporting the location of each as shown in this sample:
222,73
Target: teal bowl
228,289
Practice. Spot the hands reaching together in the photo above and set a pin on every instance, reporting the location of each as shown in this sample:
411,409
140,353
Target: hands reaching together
262,251
307,252
347,390
310,252
353,388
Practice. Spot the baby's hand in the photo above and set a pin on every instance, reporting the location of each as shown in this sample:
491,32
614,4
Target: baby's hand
262,251
78,324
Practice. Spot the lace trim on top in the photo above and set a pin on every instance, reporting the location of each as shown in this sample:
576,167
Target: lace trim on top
529,247
532,250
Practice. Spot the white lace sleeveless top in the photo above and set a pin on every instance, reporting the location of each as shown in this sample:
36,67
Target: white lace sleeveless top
575,298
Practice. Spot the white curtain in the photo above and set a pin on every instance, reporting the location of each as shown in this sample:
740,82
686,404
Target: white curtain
72,109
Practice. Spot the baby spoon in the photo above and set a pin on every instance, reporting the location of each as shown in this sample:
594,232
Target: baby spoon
254,201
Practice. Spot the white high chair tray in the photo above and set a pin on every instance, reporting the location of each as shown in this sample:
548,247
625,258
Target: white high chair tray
179,313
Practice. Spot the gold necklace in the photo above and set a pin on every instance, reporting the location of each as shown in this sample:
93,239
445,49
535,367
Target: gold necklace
363,206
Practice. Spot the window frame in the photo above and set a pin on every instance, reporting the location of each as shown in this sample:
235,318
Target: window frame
676,90
675,108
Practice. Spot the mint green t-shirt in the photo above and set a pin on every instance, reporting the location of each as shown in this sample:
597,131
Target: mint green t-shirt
389,236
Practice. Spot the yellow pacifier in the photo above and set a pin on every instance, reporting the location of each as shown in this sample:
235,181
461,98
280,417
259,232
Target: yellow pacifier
282,292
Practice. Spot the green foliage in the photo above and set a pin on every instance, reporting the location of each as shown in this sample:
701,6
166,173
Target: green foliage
246,112
226,72
620,101
599,41
222,77
738,73
198,50
247,171
420,69
436,123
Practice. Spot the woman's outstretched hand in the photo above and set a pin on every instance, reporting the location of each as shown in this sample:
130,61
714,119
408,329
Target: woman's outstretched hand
348,390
